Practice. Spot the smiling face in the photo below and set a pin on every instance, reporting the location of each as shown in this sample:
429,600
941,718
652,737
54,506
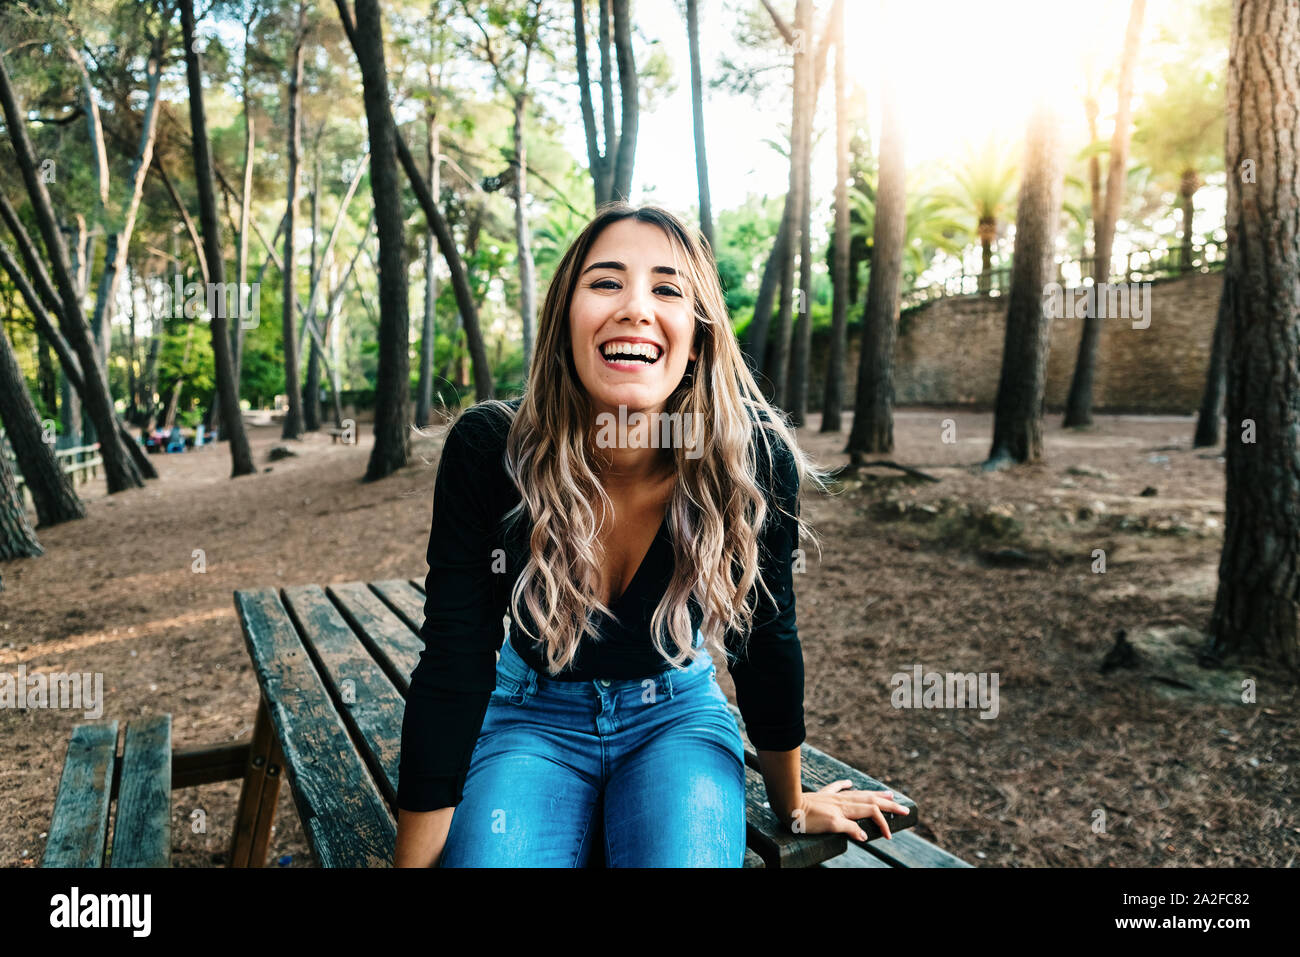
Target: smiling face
632,319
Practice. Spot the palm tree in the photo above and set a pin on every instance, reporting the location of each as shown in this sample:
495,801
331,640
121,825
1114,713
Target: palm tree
984,194
928,227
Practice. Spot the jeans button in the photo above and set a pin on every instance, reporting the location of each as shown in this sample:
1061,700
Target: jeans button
605,682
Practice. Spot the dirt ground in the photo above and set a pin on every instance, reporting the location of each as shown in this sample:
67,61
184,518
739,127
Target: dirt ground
1157,765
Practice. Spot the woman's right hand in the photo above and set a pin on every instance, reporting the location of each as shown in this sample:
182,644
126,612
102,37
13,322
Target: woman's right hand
421,836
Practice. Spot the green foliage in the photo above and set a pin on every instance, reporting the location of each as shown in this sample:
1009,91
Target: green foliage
744,238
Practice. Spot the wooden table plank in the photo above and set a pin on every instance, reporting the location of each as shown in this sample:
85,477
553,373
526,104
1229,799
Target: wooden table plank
912,850
819,769
777,846
365,697
142,829
343,813
855,856
905,849
79,824
395,646
403,599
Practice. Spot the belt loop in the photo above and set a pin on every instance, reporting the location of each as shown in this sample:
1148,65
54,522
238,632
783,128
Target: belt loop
666,683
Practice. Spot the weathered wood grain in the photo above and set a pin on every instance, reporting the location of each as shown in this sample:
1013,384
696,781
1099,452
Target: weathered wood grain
142,829
208,765
854,856
819,769
912,850
777,846
258,793
369,703
79,825
395,645
403,599
343,813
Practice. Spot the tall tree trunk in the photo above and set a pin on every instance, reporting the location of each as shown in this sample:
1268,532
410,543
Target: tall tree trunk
17,539
794,209
1188,184
605,40
611,171
241,456
446,242
1078,410
1256,608
428,333
132,383
697,114
120,470
523,240
119,241
47,375
52,491
45,325
293,420
1211,412
797,392
1094,171
629,108
69,412
311,394
245,208
873,417
833,395
149,375
392,401
756,336
595,161
988,230
1018,416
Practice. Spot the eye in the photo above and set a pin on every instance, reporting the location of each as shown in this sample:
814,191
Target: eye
667,291
605,284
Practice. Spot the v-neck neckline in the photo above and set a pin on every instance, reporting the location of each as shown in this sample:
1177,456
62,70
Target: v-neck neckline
636,575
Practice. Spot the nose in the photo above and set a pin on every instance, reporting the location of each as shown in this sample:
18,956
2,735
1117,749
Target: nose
637,306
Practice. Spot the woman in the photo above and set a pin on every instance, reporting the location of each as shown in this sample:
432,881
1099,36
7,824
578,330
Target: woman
638,503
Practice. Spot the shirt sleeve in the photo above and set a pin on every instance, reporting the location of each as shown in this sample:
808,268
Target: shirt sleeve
454,678
769,674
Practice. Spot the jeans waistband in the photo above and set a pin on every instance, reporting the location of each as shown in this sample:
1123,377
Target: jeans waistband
665,681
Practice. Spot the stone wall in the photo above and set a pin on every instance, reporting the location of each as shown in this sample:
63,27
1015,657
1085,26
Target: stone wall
949,352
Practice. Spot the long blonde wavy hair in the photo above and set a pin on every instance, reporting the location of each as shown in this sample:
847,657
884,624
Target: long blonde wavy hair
717,509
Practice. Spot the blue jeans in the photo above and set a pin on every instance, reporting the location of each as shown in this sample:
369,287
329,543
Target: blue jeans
653,768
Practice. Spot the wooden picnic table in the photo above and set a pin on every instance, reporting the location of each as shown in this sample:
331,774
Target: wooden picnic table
334,664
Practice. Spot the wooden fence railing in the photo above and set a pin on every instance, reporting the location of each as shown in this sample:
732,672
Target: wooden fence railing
1138,265
82,462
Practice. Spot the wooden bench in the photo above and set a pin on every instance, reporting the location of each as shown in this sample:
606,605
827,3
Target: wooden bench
140,780
334,666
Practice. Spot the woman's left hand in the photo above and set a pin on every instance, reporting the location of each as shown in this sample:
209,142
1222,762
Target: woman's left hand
833,809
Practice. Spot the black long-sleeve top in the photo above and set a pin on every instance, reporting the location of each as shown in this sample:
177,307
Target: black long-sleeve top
467,597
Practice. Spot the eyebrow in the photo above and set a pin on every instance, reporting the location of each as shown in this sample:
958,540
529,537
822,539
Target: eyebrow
614,264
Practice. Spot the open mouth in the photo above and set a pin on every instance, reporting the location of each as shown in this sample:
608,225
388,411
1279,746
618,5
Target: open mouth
630,355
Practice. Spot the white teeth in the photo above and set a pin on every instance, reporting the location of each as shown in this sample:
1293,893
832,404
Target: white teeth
646,349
